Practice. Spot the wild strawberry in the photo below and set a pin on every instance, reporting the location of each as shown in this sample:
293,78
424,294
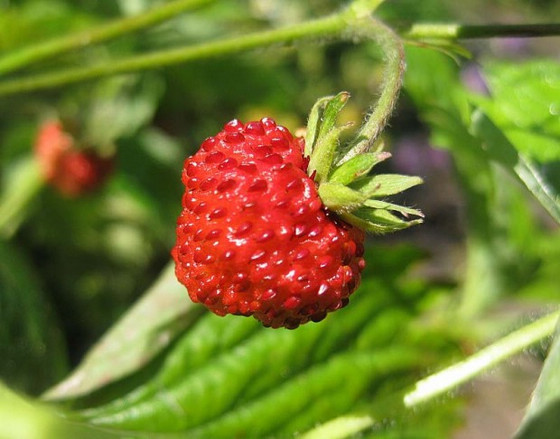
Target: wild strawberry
71,170
258,236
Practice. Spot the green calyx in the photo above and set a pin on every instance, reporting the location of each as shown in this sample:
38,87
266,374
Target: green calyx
349,188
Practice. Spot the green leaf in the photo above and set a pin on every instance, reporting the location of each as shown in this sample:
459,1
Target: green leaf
501,150
525,105
188,355
24,182
225,377
29,23
31,345
139,336
328,386
25,419
338,197
230,376
542,418
357,166
382,185
493,265
240,372
120,106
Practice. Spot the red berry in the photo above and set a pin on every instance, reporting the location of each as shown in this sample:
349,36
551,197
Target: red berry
71,170
254,238
51,144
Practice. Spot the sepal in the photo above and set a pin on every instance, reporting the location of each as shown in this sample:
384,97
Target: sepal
322,157
348,189
404,211
383,185
322,138
340,198
313,124
377,221
322,119
357,167
333,107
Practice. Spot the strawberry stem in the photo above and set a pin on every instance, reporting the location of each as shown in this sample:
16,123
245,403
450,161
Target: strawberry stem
453,31
393,51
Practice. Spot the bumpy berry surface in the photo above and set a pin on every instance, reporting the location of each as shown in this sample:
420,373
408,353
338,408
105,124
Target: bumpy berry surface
72,171
254,238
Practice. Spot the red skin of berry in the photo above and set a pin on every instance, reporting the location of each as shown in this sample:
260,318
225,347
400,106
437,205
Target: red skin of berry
72,171
254,238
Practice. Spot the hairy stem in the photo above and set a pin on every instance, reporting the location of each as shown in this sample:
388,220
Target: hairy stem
352,18
465,31
450,378
393,52
57,46
313,29
339,428
435,385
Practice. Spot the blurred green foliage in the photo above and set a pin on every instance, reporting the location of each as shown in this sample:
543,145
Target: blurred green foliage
31,346
73,267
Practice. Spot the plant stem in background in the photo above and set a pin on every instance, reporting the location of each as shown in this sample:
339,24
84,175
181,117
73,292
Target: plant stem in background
364,8
335,25
57,46
321,28
448,379
465,31
430,388
339,428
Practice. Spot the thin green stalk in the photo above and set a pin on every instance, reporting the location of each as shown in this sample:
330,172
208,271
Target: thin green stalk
393,52
326,27
339,428
48,49
464,31
313,29
450,378
364,8
435,385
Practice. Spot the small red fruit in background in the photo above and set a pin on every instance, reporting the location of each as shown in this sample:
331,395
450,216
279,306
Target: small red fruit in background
73,171
254,238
